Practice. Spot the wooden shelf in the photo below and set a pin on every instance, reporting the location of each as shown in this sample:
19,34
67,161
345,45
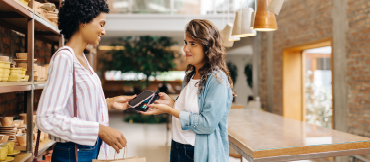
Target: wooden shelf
22,157
6,87
39,85
15,9
44,145
44,29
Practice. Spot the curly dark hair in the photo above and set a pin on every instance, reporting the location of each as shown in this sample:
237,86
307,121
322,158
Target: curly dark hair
74,12
206,33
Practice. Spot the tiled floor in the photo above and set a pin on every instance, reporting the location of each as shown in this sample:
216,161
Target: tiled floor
145,140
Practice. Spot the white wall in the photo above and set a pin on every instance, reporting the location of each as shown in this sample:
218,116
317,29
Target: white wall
241,87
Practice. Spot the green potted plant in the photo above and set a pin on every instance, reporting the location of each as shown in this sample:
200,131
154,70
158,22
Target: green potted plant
145,54
233,69
248,71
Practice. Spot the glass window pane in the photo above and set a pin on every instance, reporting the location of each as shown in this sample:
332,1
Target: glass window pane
151,6
187,7
119,6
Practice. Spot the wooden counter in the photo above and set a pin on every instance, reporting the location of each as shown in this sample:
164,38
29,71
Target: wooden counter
261,136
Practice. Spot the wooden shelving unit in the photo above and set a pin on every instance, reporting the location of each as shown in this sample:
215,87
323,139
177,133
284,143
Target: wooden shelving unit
21,18
22,157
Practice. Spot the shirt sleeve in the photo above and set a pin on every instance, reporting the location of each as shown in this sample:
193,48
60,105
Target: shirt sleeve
53,102
214,108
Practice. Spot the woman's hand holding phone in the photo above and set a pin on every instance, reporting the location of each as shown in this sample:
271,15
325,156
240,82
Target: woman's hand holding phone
120,102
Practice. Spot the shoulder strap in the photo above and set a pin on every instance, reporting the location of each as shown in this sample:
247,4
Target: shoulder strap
75,103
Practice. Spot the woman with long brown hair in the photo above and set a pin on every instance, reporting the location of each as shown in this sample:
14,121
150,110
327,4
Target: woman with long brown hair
200,113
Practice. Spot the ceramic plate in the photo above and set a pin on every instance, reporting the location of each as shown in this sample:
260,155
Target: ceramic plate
15,152
7,132
9,158
8,127
22,60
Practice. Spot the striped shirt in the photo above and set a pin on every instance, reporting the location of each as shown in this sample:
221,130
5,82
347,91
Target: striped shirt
55,110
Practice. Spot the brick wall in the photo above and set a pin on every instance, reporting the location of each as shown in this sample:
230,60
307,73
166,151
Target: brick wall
263,69
304,21
358,70
299,22
11,104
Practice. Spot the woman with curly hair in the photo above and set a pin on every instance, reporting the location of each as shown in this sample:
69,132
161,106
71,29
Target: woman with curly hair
81,22
200,113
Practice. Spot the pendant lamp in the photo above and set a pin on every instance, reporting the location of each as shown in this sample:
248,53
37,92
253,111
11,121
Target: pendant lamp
237,32
246,23
275,6
231,38
265,20
242,23
226,33
252,19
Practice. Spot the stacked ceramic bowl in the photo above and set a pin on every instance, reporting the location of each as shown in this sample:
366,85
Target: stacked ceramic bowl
22,63
52,16
15,75
5,68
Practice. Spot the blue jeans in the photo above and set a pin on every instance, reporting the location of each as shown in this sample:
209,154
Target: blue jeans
65,152
181,152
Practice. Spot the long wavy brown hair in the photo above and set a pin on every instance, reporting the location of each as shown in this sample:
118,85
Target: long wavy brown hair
206,33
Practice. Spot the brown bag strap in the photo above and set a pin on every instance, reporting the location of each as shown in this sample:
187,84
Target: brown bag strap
75,104
74,111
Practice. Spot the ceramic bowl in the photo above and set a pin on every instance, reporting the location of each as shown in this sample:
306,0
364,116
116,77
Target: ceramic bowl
21,55
4,58
6,121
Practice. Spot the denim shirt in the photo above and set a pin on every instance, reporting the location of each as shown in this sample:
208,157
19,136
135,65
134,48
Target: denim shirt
210,125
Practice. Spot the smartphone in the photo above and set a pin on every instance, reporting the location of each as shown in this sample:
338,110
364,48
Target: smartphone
145,98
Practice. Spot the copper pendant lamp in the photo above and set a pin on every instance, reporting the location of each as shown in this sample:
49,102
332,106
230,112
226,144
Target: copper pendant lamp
264,20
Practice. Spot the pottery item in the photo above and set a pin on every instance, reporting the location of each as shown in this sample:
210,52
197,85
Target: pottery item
22,65
4,58
23,116
3,151
22,139
6,65
48,6
6,121
21,55
15,71
10,147
4,139
19,121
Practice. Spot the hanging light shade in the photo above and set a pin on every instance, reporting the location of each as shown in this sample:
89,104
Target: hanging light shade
246,23
237,24
226,36
230,28
242,23
265,20
252,19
